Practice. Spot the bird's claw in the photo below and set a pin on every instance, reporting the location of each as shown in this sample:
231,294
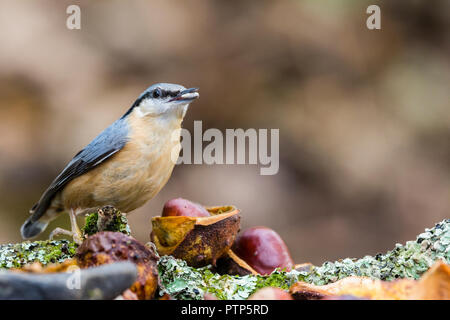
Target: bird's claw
63,232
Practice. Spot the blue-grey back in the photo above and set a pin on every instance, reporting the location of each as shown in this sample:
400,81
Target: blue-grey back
113,137
106,144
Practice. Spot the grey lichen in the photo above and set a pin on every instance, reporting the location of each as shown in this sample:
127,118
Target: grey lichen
183,282
404,261
50,251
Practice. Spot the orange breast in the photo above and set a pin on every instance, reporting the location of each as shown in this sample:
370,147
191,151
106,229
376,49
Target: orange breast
132,176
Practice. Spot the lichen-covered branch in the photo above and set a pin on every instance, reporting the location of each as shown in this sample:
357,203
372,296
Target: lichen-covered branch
17,255
405,261
183,282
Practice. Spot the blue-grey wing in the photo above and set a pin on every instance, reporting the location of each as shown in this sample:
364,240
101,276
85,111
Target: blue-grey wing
105,145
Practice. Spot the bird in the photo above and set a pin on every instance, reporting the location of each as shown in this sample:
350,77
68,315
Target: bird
125,166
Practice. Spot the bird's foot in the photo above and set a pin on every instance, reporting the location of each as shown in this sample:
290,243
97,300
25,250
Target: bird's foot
77,238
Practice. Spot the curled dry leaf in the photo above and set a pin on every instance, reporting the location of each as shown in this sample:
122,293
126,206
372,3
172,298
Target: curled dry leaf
434,284
37,267
197,240
107,247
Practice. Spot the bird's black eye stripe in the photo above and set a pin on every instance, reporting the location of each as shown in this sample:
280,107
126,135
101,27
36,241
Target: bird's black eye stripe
150,94
159,93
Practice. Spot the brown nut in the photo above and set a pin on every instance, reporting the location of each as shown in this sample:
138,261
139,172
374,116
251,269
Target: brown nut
197,240
108,247
183,207
263,249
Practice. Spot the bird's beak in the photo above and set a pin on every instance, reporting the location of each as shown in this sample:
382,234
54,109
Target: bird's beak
186,95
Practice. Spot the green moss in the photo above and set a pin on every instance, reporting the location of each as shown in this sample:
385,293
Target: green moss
50,251
279,279
90,225
115,221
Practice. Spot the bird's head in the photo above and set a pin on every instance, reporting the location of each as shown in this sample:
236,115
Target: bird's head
164,99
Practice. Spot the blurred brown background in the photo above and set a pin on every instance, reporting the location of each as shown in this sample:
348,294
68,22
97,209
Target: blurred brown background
364,116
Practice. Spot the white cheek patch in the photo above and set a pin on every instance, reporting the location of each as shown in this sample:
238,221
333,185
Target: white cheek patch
166,109
148,107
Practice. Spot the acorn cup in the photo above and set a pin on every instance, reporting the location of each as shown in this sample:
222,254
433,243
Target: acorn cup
199,241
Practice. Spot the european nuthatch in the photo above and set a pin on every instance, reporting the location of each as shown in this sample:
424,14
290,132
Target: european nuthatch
124,166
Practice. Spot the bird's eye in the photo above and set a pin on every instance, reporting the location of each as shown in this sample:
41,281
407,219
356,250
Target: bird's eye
157,93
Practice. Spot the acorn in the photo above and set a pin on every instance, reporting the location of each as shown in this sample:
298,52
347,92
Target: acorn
184,231
263,249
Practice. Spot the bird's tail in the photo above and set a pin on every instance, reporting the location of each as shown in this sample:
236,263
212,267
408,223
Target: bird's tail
37,222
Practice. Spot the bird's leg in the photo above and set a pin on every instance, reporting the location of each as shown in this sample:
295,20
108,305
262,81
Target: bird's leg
60,232
76,233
